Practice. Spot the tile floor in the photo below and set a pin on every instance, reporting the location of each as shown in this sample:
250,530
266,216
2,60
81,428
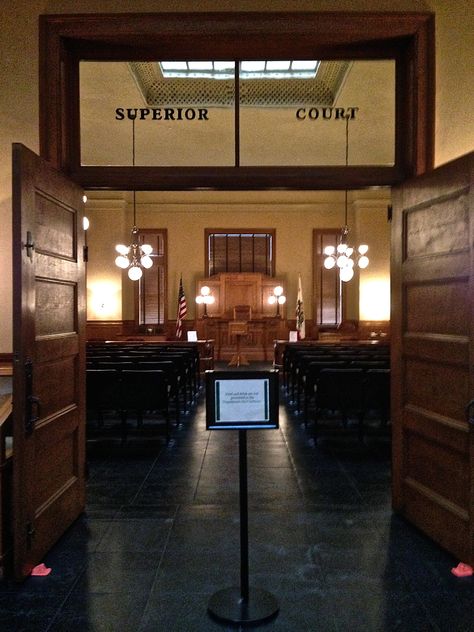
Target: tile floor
161,535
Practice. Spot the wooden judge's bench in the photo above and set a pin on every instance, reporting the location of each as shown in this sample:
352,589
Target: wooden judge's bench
241,297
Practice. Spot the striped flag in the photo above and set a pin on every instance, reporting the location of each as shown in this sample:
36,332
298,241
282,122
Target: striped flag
182,310
300,327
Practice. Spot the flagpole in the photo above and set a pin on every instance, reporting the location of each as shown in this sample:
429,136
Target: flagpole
182,309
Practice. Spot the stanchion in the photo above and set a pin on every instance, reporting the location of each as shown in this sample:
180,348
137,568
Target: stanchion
245,604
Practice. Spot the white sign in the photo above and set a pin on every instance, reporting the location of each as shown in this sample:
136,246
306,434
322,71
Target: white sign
242,400
192,336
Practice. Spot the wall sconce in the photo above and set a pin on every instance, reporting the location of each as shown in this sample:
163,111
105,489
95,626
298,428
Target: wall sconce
205,298
277,298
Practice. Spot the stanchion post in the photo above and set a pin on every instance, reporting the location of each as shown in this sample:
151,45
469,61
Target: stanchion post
244,517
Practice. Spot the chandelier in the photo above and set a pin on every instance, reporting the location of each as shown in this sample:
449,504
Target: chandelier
343,256
135,256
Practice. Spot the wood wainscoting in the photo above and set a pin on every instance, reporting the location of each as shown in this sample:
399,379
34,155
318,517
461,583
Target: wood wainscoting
120,329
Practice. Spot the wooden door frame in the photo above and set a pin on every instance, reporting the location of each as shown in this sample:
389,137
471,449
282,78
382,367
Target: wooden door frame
406,37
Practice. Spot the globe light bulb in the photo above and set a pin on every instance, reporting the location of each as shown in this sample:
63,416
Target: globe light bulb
85,222
199,299
134,273
205,290
362,249
329,250
341,261
146,249
146,261
122,262
278,290
329,263
122,249
281,300
342,248
272,300
346,274
363,262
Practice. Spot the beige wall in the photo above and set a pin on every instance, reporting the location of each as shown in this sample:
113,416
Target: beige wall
19,81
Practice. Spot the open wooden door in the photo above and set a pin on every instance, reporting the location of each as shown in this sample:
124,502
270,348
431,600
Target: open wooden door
49,372
432,350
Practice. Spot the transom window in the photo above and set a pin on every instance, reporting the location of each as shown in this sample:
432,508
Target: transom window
240,251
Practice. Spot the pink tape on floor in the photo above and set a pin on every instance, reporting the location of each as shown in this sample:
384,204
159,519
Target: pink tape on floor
462,570
40,571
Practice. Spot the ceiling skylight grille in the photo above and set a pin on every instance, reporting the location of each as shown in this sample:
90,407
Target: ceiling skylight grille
297,69
277,92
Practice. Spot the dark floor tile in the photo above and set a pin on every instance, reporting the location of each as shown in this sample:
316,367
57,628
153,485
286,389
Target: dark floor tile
119,571
136,535
28,611
450,610
373,609
100,612
161,534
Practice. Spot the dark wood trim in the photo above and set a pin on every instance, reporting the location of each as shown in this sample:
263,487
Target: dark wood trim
406,37
6,364
235,178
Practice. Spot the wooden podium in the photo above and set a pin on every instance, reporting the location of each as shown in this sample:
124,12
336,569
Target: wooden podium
237,330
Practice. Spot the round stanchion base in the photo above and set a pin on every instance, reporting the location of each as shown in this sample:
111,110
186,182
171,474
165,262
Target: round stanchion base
228,605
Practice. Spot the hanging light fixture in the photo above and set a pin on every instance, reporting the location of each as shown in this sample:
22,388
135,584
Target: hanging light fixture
135,256
342,254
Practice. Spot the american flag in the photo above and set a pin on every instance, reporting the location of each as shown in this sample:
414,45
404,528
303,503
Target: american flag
300,326
182,310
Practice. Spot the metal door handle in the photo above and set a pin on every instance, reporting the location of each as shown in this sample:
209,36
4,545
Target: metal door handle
470,413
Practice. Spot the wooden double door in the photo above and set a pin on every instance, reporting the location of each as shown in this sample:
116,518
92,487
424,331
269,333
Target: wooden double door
49,367
432,351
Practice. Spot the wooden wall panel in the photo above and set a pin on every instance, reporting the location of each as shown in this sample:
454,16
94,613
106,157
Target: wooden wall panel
55,303
431,299
439,227
55,228
440,388
443,470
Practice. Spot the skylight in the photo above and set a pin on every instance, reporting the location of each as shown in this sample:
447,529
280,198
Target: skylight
302,69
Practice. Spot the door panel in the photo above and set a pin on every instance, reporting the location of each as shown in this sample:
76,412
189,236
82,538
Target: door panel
432,349
48,382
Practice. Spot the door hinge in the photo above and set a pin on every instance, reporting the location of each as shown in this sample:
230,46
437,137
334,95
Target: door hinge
29,244
470,413
30,534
